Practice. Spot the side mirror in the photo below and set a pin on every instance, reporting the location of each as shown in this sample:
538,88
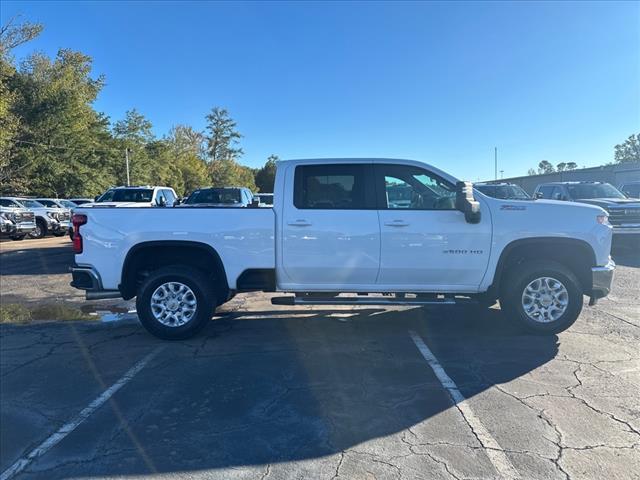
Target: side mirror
466,203
255,202
162,202
538,195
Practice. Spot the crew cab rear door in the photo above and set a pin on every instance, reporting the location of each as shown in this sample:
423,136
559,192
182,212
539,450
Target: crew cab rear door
330,236
426,244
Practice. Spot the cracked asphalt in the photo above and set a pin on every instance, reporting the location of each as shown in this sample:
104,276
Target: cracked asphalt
275,393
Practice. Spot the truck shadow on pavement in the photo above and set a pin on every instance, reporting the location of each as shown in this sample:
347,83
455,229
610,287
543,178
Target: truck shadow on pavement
261,388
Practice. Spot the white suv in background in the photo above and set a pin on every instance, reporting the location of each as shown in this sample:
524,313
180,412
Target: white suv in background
140,196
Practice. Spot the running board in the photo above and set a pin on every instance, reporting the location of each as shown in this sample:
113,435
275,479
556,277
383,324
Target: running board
363,301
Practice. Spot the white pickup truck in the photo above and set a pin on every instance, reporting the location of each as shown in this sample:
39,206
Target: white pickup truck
389,231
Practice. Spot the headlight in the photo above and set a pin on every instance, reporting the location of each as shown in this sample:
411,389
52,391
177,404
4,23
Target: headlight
53,215
603,219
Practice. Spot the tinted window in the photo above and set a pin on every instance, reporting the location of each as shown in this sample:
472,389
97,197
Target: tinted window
127,195
594,190
8,203
632,190
332,187
546,190
169,196
412,188
507,192
48,203
226,196
31,203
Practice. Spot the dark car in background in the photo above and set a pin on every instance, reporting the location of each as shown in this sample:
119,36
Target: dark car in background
624,212
505,191
631,189
234,197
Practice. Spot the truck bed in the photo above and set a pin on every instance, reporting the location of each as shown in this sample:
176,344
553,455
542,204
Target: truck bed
243,237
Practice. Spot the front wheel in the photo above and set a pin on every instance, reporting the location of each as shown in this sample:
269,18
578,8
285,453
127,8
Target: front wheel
17,237
175,303
544,296
59,233
40,230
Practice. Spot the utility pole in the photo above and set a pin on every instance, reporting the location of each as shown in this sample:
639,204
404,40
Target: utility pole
126,156
495,161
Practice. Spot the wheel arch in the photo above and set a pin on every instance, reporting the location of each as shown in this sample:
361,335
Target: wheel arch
151,255
574,253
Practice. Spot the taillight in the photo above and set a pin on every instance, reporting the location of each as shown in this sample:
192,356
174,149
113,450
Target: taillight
78,219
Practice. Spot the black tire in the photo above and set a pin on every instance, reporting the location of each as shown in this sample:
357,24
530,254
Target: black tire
59,233
200,286
41,229
516,281
17,238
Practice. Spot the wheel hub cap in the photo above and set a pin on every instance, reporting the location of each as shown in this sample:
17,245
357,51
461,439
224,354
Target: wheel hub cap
173,304
545,299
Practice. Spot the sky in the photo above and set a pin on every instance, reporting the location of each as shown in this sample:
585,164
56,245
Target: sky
440,82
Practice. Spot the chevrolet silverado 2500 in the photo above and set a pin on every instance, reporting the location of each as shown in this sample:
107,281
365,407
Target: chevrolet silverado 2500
390,231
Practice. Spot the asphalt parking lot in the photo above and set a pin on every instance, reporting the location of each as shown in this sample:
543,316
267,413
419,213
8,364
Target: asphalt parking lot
429,393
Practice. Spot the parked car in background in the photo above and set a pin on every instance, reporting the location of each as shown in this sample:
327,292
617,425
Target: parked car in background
506,191
335,230
140,196
21,220
266,199
81,201
52,220
624,213
631,189
235,197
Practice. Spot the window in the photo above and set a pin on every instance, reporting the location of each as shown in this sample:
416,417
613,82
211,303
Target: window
412,188
127,195
333,187
5,202
594,190
160,198
170,197
546,190
48,203
226,196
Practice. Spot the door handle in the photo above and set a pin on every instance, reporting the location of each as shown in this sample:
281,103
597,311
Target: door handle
397,223
299,223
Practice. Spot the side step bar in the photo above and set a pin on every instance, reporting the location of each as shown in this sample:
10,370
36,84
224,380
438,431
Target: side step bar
364,301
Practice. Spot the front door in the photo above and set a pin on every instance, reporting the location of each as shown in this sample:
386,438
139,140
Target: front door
330,230
426,244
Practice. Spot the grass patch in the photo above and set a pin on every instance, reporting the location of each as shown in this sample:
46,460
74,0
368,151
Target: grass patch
20,314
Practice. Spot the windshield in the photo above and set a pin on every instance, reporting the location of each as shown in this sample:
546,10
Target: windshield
594,190
67,203
48,203
506,192
227,196
30,203
137,195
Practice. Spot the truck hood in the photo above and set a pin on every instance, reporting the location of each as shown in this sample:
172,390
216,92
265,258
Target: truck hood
611,202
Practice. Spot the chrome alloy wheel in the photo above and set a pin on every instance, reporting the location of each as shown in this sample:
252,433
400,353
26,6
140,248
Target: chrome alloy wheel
173,304
545,299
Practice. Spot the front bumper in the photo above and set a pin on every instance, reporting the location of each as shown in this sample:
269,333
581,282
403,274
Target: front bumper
602,279
25,227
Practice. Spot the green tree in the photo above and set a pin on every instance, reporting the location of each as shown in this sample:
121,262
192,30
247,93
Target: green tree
266,176
531,171
561,167
545,167
629,150
228,173
222,138
135,133
188,151
571,166
64,147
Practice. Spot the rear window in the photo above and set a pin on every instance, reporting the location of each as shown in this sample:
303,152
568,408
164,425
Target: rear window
331,187
225,196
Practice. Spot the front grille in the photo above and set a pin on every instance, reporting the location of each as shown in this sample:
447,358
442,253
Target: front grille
64,216
28,216
621,216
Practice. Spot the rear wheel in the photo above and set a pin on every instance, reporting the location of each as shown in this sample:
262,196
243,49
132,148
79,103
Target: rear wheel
175,303
544,297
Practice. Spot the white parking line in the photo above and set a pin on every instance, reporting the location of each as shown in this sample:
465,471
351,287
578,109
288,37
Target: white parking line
494,451
70,426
